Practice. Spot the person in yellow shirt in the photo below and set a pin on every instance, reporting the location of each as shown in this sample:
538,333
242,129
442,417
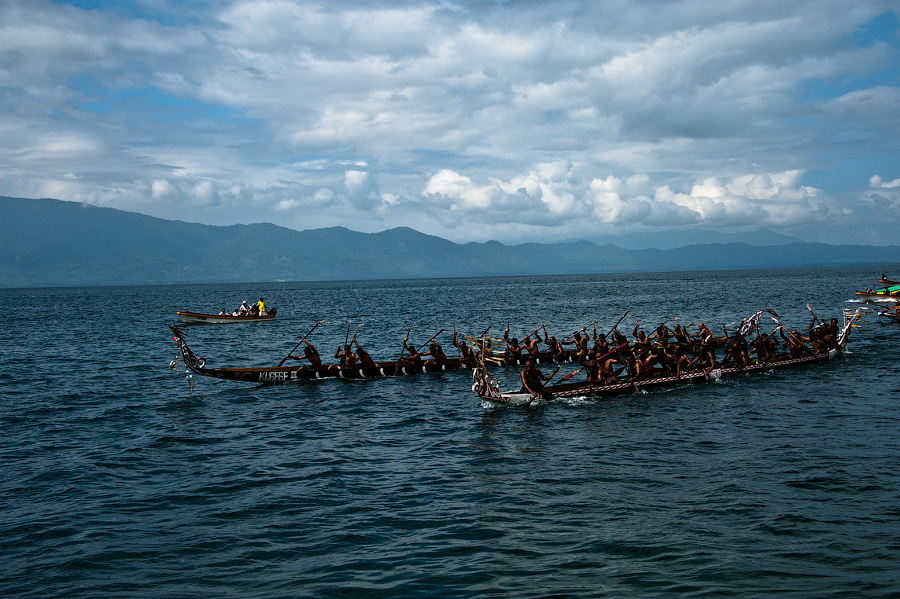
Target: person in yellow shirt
261,305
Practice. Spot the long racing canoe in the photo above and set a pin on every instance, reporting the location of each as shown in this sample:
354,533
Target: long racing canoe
283,374
486,388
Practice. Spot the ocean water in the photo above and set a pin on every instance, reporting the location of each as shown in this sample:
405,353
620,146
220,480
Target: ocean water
120,479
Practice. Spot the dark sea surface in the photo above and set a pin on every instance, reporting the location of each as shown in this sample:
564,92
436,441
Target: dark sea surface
119,480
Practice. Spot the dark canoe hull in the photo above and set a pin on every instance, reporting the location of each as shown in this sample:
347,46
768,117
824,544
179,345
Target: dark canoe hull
585,389
285,374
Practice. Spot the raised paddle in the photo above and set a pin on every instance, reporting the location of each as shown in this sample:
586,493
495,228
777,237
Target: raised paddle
617,323
397,363
429,340
583,329
301,341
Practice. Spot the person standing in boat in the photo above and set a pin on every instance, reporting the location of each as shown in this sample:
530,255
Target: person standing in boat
261,307
533,380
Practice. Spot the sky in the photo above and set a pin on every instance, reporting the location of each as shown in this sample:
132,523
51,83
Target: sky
470,120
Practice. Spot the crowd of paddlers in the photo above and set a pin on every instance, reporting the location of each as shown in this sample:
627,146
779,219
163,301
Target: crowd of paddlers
665,351
607,357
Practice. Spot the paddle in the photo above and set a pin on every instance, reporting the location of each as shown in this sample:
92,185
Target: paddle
583,330
429,340
542,384
815,316
301,341
618,322
397,363
609,353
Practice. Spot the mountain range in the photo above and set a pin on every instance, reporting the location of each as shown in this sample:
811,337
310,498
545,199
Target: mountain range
52,243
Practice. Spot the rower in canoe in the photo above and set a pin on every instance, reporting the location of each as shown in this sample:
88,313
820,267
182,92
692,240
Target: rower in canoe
533,380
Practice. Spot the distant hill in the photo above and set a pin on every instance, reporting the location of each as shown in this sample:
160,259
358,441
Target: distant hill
675,238
49,243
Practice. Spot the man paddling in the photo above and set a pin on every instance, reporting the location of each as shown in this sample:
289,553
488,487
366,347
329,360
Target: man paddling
309,353
364,358
533,380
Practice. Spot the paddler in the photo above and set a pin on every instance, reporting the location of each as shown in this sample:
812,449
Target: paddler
309,353
513,349
364,358
465,352
531,345
533,380
436,352
347,357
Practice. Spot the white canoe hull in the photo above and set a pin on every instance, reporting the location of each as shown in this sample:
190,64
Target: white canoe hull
197,318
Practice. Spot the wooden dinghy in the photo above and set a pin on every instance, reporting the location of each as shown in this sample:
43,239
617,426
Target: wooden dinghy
887,292
198,318
487,389
284,374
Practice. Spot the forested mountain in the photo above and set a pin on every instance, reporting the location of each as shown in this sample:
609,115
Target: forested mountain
46,243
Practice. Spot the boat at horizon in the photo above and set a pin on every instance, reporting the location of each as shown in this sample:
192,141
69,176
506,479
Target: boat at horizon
199,318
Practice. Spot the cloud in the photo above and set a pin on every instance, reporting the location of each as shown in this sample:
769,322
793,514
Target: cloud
519,119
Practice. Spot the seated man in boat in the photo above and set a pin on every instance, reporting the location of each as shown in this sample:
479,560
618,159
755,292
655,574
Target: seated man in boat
644,366
764,348
484,348
346,356
830,333
244,308
531,345
556,350
796,343
465,352
591,367
704,334
365,359
222,312
601,345
579,341
310,353
436,352
680,362
513,349
736,353
661,335
533,380
412,357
